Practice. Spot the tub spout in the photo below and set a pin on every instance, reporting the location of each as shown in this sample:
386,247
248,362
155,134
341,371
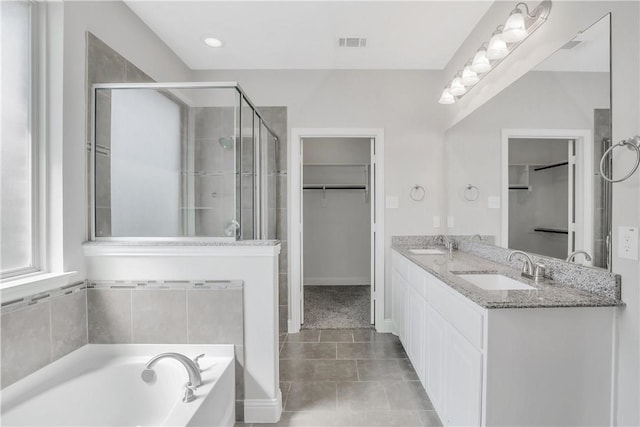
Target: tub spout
195,380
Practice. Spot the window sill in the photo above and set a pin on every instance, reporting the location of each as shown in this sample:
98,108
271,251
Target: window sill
33,284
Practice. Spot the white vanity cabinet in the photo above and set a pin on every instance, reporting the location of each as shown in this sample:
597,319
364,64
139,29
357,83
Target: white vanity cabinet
502,366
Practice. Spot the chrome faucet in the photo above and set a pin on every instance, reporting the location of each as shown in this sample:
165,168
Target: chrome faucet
530,270
480,238
573,254
195,379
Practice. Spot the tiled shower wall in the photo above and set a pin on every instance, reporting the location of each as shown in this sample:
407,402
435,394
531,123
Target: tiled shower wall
276,117
40,329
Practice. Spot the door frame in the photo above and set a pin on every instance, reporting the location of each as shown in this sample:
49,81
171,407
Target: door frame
295,218
584,154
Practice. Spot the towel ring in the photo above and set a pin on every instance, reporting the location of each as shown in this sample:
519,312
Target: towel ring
471,193
632,144
417,193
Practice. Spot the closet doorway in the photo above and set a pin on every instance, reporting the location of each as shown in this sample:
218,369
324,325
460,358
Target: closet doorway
336,239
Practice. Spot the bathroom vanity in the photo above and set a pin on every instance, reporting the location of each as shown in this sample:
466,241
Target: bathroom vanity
542,355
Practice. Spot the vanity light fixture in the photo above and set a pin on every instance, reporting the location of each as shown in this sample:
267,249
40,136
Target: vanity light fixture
481,63
497,48
457,88
469,77
520,24
446,97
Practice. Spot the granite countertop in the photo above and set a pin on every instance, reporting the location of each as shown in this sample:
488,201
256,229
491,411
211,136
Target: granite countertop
182,243
545,294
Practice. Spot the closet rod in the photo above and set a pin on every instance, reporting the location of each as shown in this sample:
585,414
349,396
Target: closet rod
334,187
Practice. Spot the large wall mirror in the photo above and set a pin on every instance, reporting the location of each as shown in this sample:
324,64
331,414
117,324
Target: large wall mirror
533,152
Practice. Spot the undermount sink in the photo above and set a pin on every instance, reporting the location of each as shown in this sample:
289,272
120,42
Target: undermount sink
494,282
426,251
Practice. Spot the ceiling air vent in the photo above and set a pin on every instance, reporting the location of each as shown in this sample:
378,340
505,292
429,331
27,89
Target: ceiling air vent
352,42
571,44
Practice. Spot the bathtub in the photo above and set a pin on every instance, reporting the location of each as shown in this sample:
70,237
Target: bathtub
100,385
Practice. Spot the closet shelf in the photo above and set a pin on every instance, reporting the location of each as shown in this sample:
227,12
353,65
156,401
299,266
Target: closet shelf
550,166
551,230
519,187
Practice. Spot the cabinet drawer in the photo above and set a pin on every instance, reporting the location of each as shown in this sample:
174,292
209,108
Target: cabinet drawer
400,264
457,311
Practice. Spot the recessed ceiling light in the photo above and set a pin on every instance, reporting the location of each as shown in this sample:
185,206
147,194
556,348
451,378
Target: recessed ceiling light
212,41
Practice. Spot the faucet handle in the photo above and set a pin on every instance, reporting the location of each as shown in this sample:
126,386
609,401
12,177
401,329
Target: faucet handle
539,272
189,394
195,360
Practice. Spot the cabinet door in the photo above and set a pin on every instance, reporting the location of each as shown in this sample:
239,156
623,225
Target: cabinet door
416,330
398,304
435,353
463,379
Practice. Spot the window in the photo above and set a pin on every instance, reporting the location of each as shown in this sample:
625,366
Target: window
18,143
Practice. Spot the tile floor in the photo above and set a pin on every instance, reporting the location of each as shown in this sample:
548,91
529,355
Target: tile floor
349,377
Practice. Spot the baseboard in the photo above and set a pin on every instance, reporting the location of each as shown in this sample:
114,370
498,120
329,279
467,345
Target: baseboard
386,327
263,410
292,327
337,281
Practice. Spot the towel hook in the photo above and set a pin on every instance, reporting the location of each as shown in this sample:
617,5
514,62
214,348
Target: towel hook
417,193
632,144
471,193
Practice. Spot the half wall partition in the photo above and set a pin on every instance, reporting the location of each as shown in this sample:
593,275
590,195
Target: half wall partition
181,161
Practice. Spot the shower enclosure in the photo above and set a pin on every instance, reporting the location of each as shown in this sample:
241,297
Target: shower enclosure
181,161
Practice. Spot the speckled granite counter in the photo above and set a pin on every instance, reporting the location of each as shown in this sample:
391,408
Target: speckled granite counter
545,294
182,243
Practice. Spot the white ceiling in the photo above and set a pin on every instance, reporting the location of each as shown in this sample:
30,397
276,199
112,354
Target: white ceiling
304,34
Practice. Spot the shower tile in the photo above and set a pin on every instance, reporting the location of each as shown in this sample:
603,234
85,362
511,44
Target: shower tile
103,119
239,365
281,227
25,339
103,181
109,312
282,258
208,123
134,74
68,323
215,316
283,318
159,316
105,65
281,191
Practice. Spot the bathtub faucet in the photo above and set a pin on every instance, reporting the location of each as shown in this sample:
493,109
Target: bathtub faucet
195,380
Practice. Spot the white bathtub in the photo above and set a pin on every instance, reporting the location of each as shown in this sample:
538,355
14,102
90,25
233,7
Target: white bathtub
100,385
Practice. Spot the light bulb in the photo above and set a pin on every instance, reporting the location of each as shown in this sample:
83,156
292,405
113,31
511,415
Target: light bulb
457,88
212,42
469,77
446,97
514,29
481,63
497,47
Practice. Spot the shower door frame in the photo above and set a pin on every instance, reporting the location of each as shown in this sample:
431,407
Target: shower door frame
295,259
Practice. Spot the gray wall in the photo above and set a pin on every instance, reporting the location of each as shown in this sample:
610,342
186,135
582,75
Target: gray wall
40,329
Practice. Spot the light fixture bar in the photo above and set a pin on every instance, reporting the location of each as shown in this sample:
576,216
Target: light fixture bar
518,27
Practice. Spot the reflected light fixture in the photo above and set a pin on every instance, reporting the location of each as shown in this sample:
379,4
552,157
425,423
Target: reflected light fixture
520,24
